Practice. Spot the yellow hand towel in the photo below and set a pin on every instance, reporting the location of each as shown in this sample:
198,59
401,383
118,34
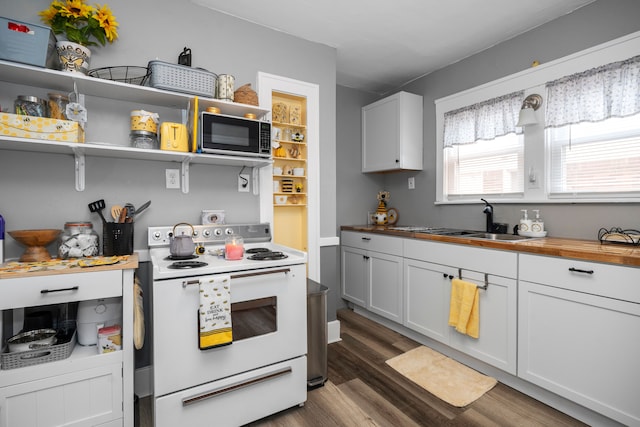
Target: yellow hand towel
214,313
464,311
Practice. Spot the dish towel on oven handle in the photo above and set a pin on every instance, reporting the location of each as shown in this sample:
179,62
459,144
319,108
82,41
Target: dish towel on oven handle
464,310
214,313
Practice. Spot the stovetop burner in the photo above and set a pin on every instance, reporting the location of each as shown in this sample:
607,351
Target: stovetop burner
268,255
187,264
257,250
180,257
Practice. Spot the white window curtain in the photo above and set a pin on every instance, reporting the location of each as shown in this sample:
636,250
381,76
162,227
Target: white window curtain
483,121
612,90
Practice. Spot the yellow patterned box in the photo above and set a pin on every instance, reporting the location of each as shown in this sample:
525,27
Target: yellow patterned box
40,128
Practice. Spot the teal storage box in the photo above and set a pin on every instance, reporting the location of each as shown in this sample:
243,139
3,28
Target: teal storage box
27,43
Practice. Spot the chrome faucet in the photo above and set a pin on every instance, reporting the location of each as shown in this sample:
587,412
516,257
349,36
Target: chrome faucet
488,210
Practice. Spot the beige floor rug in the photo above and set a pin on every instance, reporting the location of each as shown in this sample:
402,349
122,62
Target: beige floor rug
445,378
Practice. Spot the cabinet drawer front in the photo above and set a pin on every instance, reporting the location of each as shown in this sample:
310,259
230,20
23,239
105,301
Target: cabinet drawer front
87,397
56,289
491,261
372,242
590,277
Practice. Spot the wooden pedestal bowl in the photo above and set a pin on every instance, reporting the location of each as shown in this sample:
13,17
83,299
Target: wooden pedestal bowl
36,242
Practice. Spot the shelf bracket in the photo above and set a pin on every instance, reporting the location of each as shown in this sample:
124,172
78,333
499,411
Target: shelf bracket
185,175
79,160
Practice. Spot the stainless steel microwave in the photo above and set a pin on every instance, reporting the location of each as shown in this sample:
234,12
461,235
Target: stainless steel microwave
222,134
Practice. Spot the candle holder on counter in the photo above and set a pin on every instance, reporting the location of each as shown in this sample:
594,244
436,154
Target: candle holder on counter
234,248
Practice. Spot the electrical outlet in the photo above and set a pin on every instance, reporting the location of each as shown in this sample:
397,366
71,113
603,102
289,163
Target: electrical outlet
243,183
173,178
411,183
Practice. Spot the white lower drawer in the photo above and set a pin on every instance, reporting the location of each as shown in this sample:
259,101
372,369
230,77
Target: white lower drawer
236,400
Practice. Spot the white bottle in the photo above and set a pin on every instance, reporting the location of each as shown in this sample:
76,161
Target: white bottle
537,226
525,222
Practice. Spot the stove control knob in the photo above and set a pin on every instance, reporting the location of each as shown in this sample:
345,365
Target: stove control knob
228,231
206,233
218,231
157,235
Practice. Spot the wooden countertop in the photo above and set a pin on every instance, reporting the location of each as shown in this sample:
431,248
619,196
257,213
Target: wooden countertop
13,269
588,250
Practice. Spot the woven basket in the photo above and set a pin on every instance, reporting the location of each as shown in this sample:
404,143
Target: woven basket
245,95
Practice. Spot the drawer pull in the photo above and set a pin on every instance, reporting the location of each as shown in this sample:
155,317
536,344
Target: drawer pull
365,257
577,270
48,291
366,239
237,386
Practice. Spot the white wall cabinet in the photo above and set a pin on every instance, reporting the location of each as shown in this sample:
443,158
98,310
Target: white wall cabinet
392,134
578,329
372,273
429,268
86,388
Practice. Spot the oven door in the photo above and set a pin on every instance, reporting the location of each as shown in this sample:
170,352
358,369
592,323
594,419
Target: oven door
268,323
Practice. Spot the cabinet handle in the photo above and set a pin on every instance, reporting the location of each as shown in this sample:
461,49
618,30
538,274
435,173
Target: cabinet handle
48,291
366,238
449,276
577,270
365,257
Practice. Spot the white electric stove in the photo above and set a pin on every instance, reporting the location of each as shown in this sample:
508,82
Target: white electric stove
264,369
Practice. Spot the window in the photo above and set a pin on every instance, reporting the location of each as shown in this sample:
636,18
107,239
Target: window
585,147
483,153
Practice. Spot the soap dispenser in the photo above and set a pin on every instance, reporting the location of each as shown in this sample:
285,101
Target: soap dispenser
537,226
525,222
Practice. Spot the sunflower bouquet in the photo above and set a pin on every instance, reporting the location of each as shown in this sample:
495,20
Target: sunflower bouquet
81,23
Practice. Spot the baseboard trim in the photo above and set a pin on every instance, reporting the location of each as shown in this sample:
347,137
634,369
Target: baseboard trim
333,331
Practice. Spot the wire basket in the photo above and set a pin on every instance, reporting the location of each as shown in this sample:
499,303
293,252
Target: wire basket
123,74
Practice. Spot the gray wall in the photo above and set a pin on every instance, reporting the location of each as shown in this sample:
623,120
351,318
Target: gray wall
599,22
37,190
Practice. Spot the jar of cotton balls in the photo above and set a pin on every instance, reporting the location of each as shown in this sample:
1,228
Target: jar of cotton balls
78,240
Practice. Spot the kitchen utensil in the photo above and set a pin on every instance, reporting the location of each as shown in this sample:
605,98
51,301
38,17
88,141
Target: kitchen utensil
115,211
131,211
98,206
142,208
123,215
36,242
182,245
32,340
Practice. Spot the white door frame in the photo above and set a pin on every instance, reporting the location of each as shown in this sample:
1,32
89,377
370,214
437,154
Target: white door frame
267,83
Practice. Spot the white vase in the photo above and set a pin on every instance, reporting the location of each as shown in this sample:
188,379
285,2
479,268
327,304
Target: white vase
73,57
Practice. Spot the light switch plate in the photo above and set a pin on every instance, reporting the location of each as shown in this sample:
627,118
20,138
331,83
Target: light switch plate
411,183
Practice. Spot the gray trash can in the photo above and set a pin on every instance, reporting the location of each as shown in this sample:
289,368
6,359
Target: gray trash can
316,333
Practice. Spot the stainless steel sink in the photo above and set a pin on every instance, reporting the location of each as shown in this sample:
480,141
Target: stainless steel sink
498,237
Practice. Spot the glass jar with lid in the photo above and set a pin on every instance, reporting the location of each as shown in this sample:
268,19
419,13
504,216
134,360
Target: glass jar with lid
26,105
58,106
78,240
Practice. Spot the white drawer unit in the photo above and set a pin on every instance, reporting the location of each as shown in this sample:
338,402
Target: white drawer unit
578,326
86,388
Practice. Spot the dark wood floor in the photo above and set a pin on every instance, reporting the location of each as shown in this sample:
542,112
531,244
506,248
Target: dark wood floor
363,391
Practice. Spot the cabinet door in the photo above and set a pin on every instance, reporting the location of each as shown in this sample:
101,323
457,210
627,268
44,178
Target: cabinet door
497,341
82,398
380,131
385,285
355,275
427,293
581,346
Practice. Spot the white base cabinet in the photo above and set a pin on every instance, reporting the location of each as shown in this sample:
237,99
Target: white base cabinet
428,292
578,333
372,273
85,389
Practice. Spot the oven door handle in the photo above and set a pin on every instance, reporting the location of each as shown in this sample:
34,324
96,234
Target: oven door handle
186,283
237,386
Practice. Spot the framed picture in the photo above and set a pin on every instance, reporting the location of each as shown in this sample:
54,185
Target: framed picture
212,217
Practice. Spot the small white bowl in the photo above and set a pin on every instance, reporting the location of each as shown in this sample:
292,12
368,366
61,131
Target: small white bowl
277,171
281,200
298,171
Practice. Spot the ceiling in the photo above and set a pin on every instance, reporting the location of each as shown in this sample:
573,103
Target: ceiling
382,45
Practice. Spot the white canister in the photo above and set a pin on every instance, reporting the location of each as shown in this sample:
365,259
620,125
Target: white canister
224,87
94,314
